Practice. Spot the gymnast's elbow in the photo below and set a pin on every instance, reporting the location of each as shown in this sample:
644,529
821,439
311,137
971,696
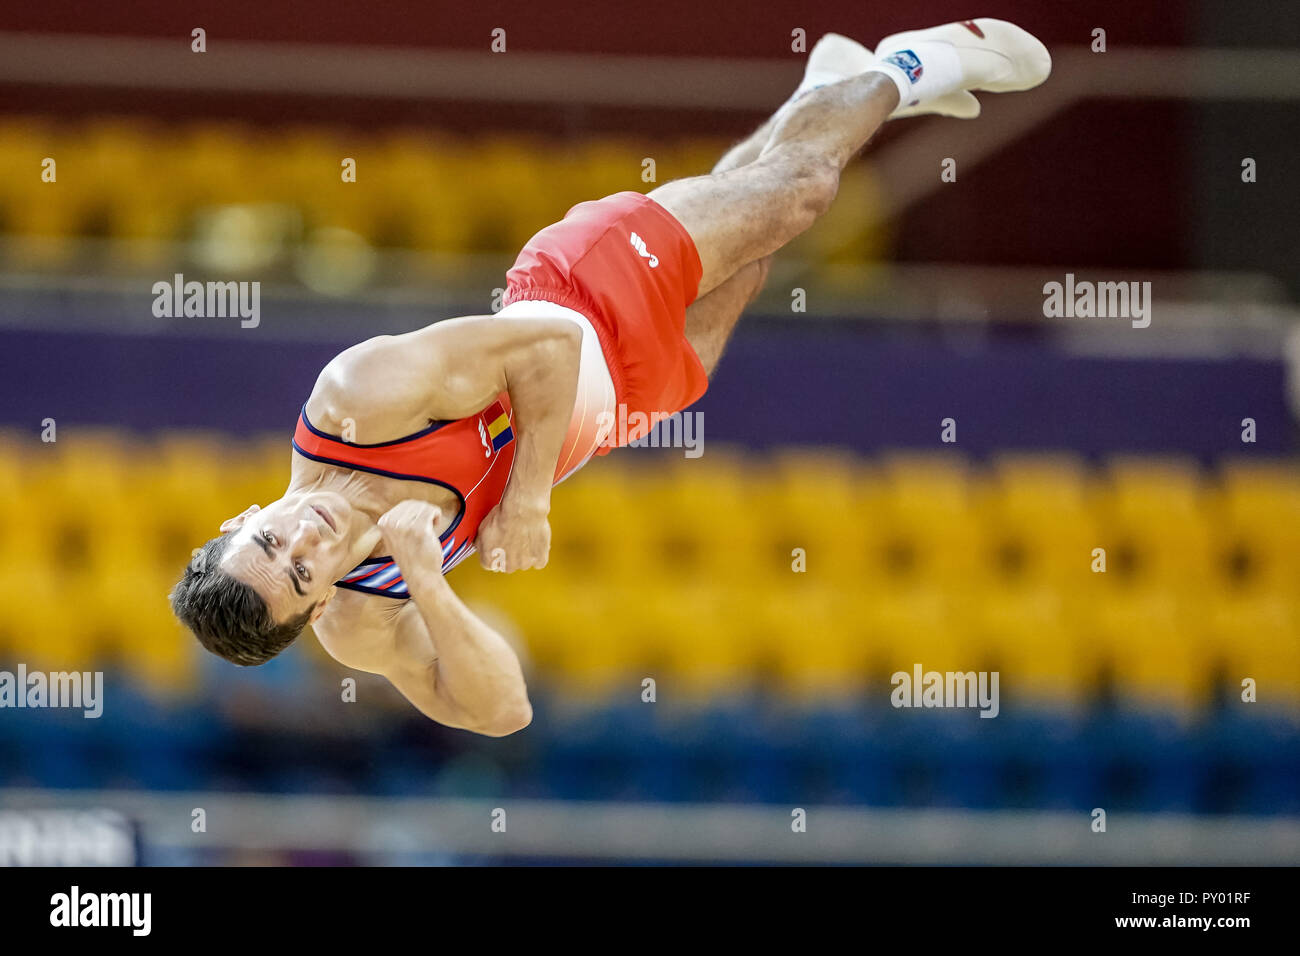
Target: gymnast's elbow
508,719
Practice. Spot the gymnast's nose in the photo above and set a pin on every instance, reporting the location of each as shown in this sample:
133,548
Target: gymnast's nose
308,532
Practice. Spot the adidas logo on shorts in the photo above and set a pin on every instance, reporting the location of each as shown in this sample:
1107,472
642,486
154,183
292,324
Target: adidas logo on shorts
639,245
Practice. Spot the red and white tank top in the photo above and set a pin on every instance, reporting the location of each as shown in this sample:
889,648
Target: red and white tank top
470,457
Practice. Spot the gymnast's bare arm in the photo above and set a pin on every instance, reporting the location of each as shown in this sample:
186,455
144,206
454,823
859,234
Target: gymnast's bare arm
470,679
393,385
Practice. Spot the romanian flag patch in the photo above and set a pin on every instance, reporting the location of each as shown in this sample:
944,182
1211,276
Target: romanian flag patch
499,431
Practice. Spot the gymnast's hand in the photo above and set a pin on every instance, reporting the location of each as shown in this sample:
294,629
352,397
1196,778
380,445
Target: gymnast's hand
515,535
409,531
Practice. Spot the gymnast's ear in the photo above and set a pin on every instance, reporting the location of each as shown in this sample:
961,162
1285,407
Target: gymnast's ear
237,522
319,609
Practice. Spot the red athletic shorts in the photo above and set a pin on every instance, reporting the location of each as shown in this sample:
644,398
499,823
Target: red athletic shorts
632,269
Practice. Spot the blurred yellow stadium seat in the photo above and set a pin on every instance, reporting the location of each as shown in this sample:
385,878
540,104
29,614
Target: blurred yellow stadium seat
806,639
133,622
611,165
1151,645
1037,521
134,191
693,647
1258,526
600,527
1026,636
1158,534
818,502
518,199
1258,637
43,623
924,525
215,164
910,625
699,521
592,641
424,182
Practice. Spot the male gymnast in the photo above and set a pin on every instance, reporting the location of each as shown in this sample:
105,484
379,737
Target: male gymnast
415,450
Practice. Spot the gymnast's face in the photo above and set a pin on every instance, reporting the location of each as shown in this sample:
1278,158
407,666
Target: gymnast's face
292,551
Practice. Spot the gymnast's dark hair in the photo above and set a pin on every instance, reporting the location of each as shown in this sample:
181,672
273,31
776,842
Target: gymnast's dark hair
227,616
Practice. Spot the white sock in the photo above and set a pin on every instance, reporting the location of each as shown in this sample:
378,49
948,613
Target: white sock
814,79
922,72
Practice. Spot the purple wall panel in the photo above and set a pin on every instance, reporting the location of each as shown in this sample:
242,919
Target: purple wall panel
859,385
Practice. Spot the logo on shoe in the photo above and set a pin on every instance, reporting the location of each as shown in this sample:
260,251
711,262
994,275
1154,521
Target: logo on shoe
970,25
908,62
639,245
